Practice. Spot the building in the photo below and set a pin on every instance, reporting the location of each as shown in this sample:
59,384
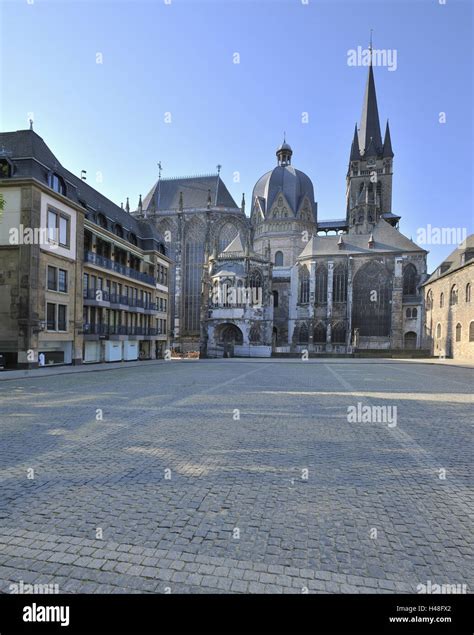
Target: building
197,217
80,278
355,290
449,305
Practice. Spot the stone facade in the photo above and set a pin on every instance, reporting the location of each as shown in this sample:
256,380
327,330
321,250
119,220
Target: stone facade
449,305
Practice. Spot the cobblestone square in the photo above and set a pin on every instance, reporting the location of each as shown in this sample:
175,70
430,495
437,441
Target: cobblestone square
236,476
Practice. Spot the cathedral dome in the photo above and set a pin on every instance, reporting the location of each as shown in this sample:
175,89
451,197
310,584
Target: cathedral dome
284,180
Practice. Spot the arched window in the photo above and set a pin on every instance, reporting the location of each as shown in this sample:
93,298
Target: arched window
275,299
118,230
441,300
468,292
304,284
372,295
227,234
5,168
409,280
255,279
319,333
321,285
338,334
132,238
408,313
471,332
56,183
438,330
414,313
458,332
429,300
339,285
102,221
279,259
453,295
303,334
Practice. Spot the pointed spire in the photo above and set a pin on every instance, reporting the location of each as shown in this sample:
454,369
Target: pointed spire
209,200
180,204
127,206
355,150
371,241
242,205
369,122
140,204
387,144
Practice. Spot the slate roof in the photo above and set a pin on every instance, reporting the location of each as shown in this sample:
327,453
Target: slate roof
456,260
195,191
290,182
33,158
386,239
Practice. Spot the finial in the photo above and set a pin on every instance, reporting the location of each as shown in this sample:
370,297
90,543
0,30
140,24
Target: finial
83,175
219,166
159,169
181,202
284,136
209,199
242,205
370,46
121,205
140,204
31,124
127,206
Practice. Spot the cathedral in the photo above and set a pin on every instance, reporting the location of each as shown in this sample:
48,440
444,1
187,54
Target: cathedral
281,282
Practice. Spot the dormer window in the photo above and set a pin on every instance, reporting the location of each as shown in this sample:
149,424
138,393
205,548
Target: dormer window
102,221
5,169
56,183
118,231
132,238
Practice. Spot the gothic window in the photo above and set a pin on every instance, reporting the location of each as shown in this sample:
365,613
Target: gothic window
471,332
414,313
429,300
360,218
193,262
438,331
339,286
408,313
275,299
453,296
255,279
303,334
441,301
458,332
338,334
468,292
304,284
319,333
118,231
321,285
254,335
227,234
372,295
279,259
409,280
379,191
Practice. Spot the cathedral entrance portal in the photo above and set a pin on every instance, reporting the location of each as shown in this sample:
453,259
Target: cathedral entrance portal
228,335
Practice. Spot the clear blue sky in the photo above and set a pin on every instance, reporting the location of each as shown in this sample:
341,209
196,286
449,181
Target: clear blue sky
178,58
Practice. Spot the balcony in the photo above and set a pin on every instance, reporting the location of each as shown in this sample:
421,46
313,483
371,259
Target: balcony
106,263
115,298
107,330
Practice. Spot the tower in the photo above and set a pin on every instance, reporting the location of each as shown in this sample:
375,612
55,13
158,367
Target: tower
369,175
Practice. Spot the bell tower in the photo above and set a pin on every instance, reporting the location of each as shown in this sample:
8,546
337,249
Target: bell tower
369,175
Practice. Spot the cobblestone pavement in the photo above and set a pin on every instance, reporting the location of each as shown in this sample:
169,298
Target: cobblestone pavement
237,477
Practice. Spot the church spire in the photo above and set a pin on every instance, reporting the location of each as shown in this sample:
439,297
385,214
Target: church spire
369,123
387,144
355,150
